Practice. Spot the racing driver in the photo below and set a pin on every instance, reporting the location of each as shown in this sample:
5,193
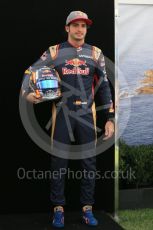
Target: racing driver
81,70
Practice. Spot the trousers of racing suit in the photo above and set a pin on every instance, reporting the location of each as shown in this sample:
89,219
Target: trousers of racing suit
73,117
71,124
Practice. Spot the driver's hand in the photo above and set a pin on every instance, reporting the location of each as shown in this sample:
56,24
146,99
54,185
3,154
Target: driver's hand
33,98
109,130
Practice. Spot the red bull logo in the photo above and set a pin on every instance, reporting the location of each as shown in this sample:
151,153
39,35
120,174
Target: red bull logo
46,71
76,62
75,71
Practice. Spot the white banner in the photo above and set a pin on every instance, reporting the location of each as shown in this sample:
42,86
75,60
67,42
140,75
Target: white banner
135,74
135,2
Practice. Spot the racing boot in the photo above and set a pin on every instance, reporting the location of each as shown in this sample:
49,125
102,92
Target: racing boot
88,217
58,217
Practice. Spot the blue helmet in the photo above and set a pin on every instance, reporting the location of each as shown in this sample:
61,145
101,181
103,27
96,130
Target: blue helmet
46,83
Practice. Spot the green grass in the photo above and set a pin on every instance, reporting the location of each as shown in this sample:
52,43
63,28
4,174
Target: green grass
138,219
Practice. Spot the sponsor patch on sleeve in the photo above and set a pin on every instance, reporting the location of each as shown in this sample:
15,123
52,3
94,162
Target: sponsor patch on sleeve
27,71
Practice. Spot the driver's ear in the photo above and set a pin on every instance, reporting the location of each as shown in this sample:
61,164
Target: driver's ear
67,29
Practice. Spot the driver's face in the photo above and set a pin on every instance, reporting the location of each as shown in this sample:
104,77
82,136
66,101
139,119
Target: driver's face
77,30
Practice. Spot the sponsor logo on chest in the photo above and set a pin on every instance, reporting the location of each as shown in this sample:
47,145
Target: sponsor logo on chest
77,67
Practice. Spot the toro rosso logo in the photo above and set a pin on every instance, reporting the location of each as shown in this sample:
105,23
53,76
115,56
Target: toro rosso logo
77,64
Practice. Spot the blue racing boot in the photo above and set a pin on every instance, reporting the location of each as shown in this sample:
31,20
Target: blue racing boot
88,217
58,217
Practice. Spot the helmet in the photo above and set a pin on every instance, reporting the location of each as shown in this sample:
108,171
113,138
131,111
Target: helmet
45,83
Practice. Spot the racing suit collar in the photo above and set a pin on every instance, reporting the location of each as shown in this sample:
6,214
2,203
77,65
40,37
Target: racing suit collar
75,46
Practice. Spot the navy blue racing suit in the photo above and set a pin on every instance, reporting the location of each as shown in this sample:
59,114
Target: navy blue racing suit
82,72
